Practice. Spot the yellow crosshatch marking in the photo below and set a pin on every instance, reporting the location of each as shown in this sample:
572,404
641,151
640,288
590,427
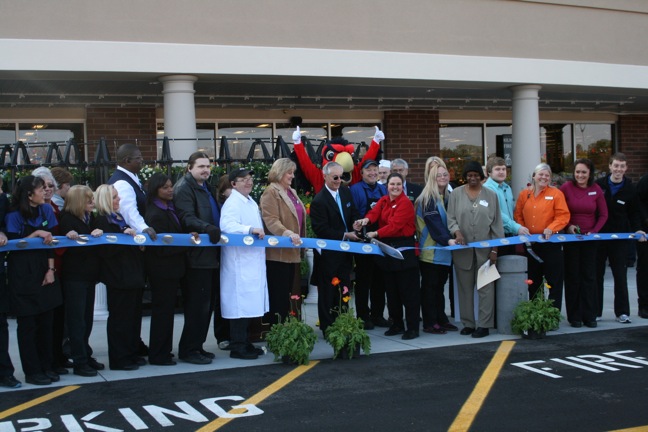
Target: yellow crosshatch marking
261,396
37,401
473,404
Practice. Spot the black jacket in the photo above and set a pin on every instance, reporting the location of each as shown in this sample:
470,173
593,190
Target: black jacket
194,210
642,199
121,266
166,260
79,263
413,191
623,211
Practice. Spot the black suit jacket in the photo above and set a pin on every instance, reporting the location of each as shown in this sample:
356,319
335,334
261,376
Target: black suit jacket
166,260
328,224
413,190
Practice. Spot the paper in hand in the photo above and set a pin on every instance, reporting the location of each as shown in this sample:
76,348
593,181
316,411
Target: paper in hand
486,274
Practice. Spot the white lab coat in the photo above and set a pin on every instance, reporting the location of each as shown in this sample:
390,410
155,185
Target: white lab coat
244,288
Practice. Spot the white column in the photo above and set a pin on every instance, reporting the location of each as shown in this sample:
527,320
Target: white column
180,114
526,135
101,303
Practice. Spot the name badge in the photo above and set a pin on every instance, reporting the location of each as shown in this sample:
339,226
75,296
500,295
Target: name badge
483,203
548,197
592,193
620,202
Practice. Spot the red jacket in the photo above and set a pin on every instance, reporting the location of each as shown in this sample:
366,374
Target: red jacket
395,218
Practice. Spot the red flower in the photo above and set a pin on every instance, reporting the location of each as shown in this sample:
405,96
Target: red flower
528,282
335,281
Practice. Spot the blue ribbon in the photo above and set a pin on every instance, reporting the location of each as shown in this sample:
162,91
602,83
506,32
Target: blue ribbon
179,239
188,240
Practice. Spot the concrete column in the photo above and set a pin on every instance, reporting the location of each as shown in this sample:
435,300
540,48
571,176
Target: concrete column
526,135
180,114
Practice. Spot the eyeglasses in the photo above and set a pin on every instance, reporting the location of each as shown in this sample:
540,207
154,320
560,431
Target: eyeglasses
245,180
336,178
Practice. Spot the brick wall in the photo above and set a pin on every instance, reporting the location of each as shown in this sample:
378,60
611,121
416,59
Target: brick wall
413,136
122,125
633,141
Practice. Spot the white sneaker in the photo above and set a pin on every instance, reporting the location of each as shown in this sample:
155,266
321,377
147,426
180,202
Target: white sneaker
624,319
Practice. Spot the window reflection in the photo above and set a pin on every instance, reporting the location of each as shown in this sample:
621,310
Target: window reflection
460,143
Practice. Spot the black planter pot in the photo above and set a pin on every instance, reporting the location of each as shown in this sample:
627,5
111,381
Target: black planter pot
345,353
533,335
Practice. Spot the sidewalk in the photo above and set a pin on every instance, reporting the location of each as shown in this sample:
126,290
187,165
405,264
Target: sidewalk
379,343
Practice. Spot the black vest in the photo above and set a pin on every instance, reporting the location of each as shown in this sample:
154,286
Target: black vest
140,196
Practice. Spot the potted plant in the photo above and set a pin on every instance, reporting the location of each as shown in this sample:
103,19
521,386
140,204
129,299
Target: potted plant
347,334
292,340
535,317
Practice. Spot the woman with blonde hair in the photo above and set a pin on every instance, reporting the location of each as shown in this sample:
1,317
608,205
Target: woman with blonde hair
432,230
122,271
79,275
542,208
283,214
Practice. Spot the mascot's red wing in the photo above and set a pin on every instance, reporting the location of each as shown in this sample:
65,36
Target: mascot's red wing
314,174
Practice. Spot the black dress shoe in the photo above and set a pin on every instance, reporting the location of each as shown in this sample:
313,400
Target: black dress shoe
94,364
410,334
125,367
10,382
53,376
84,370
394,330
576,324
449,327
68,364
139,361
196,358
480,332
207,354
60,370
38,379
467,331
244,355
380,322
251,348
368,325
590,324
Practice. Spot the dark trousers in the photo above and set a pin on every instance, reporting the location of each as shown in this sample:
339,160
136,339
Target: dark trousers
164,292
552,269
642,275
404,290
6,367
79,316
369,285
239,333
35,342
280,277
123,325
328,295
616,252
580,281
199,302
58,335
433,280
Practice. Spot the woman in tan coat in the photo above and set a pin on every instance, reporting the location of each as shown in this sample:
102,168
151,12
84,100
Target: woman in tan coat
283,214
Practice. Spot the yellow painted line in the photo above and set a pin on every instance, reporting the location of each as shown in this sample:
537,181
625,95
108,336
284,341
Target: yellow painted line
634,429
471,407
261,396
37,401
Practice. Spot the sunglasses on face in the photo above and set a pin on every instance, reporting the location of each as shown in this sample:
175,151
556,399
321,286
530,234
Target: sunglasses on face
336,178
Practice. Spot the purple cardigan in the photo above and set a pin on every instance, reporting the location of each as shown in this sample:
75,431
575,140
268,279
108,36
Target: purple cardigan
586,205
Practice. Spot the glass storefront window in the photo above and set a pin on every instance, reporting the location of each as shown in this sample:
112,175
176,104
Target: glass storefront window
241,136
315,132
460,143
556,149
594,142
492,134
38,136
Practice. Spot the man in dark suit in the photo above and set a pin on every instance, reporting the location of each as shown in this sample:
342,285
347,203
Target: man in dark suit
332,215
412,190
